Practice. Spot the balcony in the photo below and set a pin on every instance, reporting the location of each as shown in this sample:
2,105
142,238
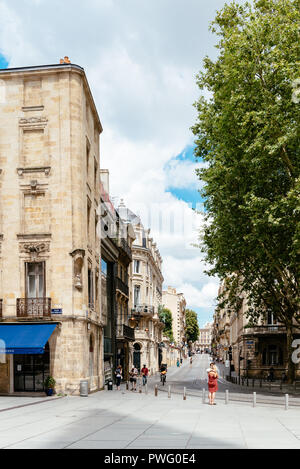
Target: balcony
121,286
33,307
265,329
142,310
125,332
125,250
1,301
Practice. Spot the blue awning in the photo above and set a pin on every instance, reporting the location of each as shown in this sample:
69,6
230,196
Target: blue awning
24,338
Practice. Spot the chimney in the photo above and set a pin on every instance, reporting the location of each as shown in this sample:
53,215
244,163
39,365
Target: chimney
65,60
104,178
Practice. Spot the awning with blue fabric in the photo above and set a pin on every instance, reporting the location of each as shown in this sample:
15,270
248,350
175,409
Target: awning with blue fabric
24,338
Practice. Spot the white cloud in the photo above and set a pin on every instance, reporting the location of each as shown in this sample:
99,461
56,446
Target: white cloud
141,59
200,297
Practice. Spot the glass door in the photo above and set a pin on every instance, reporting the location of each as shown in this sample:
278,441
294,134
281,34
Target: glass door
30,371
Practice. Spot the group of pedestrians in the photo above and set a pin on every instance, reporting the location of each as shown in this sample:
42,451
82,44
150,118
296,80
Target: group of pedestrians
212,374
133,376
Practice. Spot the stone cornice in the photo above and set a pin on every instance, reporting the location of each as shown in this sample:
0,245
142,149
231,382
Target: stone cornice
54,69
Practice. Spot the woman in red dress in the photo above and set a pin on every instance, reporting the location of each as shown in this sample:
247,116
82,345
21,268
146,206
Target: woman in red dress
212,383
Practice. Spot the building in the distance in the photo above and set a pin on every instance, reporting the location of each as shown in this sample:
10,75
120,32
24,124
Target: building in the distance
146,298
252,349
176,303
205,337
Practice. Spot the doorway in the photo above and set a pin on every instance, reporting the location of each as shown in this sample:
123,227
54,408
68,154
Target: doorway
137,356
30,371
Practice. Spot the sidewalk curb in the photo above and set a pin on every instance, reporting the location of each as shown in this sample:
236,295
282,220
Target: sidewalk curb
31,403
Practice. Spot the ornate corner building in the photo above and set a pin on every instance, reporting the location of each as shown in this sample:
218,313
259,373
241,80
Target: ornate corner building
146,298
50,317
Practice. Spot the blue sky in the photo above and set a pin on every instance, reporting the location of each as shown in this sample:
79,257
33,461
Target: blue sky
3,61
189,194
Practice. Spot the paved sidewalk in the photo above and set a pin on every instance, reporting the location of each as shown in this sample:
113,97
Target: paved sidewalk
125,419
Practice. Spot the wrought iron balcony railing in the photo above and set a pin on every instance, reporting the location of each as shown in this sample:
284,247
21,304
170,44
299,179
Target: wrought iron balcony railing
124,246
142,309
125,332
266,329
33,307
120,285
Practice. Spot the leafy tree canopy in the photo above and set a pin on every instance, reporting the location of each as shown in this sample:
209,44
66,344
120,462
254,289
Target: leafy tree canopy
248,133
165,316
192,327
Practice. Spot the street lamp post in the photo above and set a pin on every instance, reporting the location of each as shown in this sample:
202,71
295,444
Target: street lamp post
230,358
240,359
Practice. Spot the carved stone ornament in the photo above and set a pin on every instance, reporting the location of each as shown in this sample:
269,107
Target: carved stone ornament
33,120
37,248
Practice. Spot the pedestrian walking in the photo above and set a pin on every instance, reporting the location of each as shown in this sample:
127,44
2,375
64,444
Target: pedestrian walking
191,361
145,374
133,377
213,376
118,374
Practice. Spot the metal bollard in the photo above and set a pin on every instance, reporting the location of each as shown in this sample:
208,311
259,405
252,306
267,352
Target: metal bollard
156,390
146,388
140,389
127,386
254,399
226,396
203,396
184,394
286,401
169,392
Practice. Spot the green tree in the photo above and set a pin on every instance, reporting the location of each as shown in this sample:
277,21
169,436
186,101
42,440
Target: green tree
248,133
165,316
192,327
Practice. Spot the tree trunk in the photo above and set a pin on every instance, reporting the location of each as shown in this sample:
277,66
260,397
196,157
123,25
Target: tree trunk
291,365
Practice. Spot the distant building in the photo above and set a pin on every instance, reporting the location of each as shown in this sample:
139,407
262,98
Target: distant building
146,298
176,303
251,350
205,337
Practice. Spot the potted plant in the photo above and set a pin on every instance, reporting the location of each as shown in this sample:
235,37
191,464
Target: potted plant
49,385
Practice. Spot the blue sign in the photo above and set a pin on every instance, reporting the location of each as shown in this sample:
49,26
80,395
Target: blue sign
56,311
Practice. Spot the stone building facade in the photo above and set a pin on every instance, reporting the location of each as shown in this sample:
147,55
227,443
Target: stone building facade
117,236
146,299
251,349
49,248
205,337
176,303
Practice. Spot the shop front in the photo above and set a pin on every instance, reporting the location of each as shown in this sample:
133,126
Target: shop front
25,356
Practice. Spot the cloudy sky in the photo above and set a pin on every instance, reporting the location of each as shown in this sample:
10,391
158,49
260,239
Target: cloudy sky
141,58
